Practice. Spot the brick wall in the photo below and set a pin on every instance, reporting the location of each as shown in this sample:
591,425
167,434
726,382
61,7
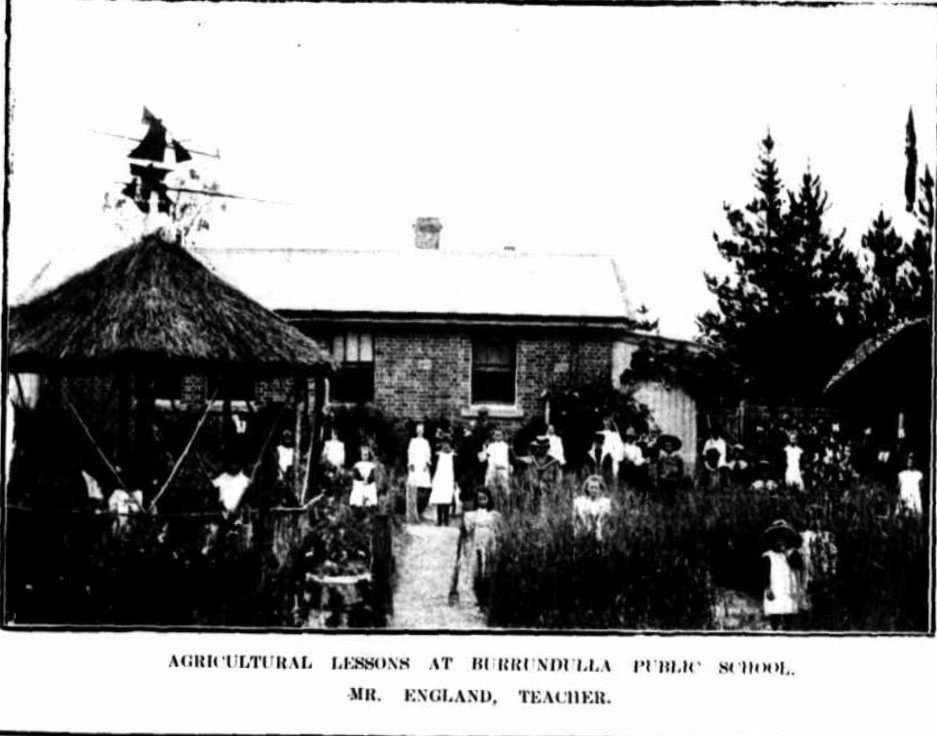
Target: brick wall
427,373
420,374
543,361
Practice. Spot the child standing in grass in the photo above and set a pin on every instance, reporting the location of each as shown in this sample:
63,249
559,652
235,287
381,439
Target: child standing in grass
783,570
498,455
909,487
591,508
480,530
792,456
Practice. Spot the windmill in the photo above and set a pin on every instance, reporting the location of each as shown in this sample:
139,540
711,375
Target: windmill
153,159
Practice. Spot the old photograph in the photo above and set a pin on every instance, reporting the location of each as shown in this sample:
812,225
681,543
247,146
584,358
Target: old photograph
453,318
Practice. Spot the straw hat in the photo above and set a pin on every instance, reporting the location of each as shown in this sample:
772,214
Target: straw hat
670,439
781,527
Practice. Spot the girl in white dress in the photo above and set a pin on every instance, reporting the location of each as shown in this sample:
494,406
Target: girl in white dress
443,481
612,446
419,458
480,531
792,455
909,487
591,508
783,574
364,480
333,454
556,445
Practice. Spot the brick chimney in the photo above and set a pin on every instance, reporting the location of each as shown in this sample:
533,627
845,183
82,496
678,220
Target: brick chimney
427,232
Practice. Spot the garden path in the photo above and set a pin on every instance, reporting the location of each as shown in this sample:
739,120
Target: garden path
424,576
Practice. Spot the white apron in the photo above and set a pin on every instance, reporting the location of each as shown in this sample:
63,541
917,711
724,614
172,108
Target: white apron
443,481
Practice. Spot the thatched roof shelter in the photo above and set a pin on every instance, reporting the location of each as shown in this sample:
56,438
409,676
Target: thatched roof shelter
892,343
150,306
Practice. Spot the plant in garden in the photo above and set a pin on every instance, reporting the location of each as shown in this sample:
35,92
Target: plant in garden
577,408
663,566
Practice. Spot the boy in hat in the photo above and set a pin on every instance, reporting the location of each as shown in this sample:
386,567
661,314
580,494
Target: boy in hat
783,573
543,470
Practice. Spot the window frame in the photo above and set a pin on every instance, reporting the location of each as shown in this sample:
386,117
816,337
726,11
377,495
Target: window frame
511,343
361,372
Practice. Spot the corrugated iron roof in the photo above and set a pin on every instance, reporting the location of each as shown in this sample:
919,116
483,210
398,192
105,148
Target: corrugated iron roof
426,282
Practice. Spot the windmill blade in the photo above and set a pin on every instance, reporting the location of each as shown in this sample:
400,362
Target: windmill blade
136,138
153,145
207,193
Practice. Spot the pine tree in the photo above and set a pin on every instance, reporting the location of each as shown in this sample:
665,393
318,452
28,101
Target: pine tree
789,312
888,287
910,152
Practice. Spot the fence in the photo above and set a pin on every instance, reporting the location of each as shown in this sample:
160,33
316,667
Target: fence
201,569
739,424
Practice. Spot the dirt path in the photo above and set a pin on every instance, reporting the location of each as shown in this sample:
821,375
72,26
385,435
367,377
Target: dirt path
424,574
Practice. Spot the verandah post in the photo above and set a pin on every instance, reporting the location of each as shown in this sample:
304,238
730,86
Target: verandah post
301,399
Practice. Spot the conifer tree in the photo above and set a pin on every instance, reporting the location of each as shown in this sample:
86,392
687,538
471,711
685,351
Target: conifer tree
790,311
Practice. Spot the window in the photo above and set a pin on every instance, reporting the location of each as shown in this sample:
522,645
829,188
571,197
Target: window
353,381
493,371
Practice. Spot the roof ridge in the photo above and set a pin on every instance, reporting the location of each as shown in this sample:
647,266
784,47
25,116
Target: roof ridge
401,252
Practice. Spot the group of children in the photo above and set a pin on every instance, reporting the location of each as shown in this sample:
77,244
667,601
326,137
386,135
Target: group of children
826,462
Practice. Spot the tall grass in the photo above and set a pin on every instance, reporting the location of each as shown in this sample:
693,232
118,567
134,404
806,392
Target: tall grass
662,565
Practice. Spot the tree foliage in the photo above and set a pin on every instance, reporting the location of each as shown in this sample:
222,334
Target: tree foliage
788,312
191,211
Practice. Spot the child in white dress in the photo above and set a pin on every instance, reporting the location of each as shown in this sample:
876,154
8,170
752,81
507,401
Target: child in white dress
419,458
792,455
909,487
333,454
364,480
556,445
443,481
498,455
612,446
480,531
782,575
591,508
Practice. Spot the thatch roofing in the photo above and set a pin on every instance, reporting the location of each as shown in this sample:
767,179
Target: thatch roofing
875,344
149,306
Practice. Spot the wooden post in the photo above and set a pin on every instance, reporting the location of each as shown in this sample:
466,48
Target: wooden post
301,399
315,442
382,563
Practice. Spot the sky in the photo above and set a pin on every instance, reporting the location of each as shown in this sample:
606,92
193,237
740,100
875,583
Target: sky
574,129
